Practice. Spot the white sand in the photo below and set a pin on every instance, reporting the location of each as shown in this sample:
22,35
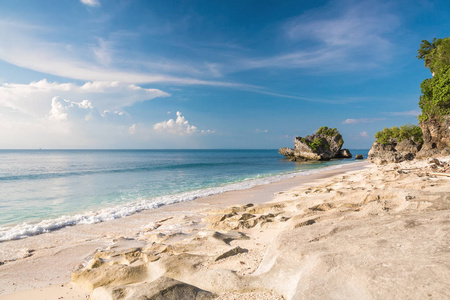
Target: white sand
357,235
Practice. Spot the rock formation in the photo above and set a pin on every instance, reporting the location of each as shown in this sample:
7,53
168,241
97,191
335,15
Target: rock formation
436,137
345,153
436,141
393,151
325,144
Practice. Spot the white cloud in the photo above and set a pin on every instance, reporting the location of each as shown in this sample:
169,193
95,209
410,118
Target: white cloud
180,126
132,129
363,120
60,108
33,98
363,134
90,2
208,131
58,112
261,130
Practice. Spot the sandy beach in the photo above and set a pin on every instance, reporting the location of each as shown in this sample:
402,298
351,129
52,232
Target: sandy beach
357,232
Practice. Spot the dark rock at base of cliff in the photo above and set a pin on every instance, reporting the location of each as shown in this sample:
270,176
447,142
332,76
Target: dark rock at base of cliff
394,152
344,153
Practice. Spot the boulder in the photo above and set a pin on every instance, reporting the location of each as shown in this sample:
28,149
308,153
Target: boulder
359,156
163,288
325,144
345,153
393,151
96,275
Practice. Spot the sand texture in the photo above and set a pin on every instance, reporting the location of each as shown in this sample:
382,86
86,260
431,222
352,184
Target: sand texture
377,233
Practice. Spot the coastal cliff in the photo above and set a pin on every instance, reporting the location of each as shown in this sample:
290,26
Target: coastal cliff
325,144
432,136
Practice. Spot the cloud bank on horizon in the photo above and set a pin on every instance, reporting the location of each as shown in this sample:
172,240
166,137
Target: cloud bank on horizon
103,74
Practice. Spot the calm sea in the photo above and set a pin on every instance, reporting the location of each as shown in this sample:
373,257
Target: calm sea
42,190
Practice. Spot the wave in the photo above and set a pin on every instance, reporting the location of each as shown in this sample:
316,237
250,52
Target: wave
107,171
25,230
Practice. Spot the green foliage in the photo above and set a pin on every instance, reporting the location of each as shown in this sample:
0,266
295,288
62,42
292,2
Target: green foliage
436,54
327,131
331,132
399,134
318,143
435,98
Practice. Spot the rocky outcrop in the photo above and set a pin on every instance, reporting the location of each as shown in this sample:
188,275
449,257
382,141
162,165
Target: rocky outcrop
436,137
325,144
359,156
288,152
436,141
163,288
345,153
393,151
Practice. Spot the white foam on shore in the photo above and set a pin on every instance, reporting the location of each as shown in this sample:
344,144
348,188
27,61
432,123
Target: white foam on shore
25,230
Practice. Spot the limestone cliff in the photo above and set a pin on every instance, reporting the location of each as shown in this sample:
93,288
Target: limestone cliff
393,151
436,137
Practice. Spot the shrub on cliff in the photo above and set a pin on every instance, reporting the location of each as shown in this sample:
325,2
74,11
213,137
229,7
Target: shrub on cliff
330,132
399,134
435,98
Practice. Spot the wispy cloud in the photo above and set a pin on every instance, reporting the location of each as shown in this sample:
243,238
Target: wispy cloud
72,61
363,120
342,36
413,113
364,134
92,3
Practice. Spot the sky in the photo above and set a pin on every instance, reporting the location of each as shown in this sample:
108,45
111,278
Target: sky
129,74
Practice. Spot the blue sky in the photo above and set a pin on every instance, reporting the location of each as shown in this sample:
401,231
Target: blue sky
209,74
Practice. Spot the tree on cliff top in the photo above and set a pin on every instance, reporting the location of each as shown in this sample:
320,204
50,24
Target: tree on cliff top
435,98
436,54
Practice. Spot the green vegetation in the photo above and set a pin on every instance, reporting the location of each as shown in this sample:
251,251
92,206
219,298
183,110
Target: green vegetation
435,98
399,134
327,131
331,132
436,54
318,143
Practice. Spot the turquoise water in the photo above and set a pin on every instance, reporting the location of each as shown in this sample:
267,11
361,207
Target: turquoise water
42,190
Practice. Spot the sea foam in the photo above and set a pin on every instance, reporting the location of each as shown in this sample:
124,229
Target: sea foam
25,230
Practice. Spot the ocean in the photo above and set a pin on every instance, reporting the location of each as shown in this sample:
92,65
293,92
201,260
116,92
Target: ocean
43,190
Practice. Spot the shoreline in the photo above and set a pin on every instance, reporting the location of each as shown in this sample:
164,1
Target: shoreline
26,230
77,243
